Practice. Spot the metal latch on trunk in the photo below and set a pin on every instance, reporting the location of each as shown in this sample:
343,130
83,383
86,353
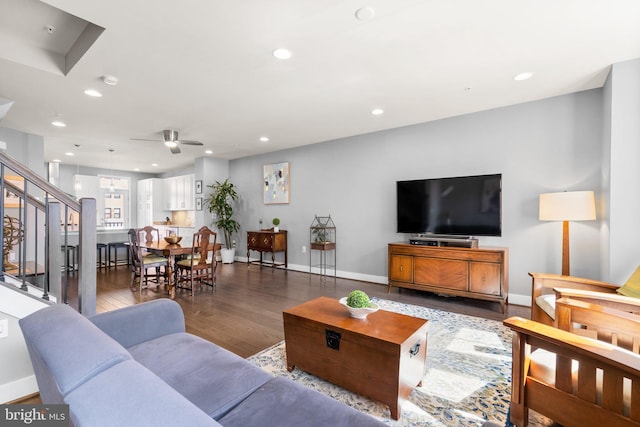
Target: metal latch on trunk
333,339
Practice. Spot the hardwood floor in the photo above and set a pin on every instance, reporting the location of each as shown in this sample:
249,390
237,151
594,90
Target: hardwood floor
244,312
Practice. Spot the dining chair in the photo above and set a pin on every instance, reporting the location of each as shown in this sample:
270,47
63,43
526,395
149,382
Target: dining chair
201,265
148,234
141,263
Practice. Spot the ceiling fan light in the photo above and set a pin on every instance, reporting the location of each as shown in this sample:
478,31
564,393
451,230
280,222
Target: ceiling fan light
171,144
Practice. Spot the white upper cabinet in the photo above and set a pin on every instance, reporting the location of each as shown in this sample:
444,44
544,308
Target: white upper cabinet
150,201
178,193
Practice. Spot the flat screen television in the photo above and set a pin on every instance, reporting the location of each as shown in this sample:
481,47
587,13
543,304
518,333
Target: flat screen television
461,206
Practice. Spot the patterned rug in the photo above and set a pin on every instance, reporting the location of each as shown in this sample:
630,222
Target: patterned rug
468,372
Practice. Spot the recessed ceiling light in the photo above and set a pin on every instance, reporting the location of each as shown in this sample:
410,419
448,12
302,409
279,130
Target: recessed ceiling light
282,53
59,123
208,151
136,169
110,80
365,13
523,76
93,93
154,165
377,111
264,139
69,153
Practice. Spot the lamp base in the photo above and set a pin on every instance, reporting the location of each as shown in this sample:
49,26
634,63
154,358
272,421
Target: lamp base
565,248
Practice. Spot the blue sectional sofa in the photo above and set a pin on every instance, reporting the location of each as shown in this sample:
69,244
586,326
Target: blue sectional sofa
137,366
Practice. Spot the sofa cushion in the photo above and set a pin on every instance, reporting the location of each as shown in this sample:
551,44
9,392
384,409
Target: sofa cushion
213,378
632,286
65,346
547,302
284,403
128,394
141,322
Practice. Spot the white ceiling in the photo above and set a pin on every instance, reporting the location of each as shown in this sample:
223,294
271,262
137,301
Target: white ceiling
205,68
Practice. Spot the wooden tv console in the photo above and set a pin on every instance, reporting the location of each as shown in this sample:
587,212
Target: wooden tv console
480,273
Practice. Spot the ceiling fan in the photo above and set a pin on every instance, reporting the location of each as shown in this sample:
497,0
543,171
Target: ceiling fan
170,139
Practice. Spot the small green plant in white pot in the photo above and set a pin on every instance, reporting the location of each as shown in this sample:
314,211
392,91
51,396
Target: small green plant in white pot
276,223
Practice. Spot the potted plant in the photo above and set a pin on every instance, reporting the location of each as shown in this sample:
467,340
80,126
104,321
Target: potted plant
276,223
220,203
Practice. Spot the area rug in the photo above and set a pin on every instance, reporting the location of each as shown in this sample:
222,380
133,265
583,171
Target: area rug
468,372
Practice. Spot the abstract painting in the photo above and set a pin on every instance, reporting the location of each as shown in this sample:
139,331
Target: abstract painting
276,183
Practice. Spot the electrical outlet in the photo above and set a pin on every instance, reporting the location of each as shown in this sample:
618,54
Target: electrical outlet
4,328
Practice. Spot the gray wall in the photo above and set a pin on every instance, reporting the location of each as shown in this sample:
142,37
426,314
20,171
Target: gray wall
26,148
621,228
549,145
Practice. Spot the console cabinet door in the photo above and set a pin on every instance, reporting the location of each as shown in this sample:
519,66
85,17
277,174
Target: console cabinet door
484,278
446,273
401,268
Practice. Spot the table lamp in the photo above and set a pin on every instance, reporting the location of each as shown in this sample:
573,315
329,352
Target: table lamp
567,206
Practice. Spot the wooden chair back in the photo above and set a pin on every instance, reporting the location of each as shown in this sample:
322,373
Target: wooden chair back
148,234
134,249
545,283
598,322
203,239
594,382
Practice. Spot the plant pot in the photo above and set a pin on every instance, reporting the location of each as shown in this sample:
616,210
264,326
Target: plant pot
276,229
228,255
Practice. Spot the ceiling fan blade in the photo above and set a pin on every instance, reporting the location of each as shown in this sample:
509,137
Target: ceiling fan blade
142,139
175,150
188,142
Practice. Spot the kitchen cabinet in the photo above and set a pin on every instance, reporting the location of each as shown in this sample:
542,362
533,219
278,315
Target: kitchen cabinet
179,193
150,201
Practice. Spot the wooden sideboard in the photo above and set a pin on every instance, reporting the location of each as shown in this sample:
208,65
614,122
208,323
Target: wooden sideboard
268,241
480,273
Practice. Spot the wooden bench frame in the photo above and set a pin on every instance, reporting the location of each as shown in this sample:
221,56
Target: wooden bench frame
565,402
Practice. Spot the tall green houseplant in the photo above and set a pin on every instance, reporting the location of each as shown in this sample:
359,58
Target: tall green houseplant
220,203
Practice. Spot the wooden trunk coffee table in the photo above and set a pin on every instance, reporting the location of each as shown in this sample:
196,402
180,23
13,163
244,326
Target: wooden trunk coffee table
382,357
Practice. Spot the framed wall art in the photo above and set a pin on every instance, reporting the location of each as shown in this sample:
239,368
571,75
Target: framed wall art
198,187
276,183
198,203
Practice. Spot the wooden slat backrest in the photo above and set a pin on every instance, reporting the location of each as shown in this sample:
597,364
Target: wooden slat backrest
579,402
606,324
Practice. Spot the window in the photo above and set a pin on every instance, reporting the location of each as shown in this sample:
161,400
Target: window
112,198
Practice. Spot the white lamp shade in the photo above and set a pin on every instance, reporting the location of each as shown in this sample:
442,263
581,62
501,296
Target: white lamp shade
568,206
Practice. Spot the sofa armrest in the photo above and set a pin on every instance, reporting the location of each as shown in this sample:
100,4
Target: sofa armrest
141,322
67,350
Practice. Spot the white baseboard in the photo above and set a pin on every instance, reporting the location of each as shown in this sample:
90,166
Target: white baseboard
523,300
18,389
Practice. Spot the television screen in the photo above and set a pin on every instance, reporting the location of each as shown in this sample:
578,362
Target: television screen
465,206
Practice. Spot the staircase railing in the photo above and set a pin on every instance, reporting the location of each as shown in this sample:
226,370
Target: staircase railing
35,237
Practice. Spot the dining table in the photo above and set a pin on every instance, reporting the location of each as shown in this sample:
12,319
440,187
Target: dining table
170,251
